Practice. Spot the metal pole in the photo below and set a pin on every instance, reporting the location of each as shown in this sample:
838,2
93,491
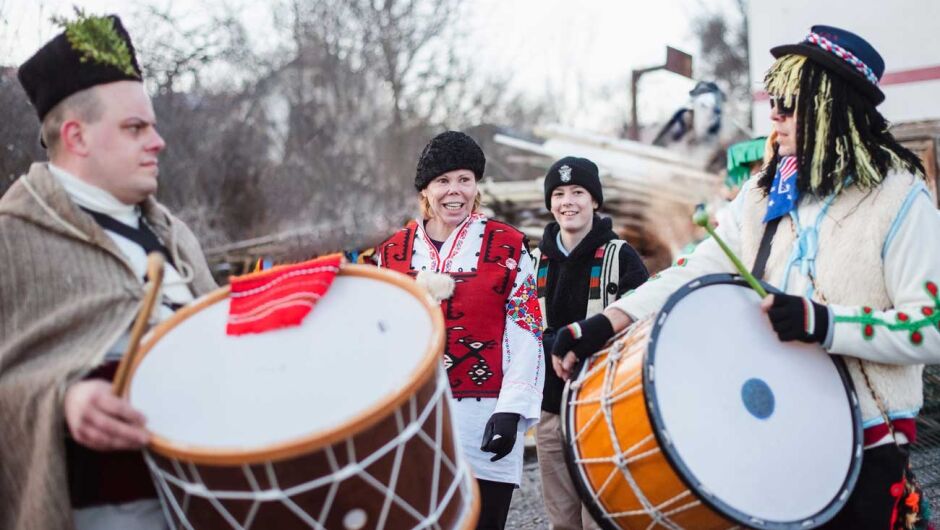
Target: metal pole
634,88
634,123
677,61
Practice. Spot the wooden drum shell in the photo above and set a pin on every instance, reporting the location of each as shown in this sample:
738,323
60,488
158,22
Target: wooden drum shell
337,478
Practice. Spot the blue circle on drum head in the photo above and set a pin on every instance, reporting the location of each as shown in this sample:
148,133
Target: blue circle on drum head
758,398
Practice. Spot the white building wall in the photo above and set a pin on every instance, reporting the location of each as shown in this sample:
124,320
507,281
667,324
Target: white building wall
905,32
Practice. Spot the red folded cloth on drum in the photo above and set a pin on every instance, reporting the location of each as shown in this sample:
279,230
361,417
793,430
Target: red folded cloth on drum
279,297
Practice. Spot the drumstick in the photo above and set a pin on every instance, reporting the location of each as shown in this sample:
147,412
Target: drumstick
155,278
700,217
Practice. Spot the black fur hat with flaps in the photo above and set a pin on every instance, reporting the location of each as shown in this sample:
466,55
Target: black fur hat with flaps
449,151
91,51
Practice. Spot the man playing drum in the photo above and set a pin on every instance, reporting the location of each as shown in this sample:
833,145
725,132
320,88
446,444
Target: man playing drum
74,236
840,220
581,265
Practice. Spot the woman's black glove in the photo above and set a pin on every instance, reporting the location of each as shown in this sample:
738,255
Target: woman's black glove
798,318
499,435
584,338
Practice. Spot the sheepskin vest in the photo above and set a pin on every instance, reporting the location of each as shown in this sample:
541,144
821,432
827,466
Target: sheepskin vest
850,271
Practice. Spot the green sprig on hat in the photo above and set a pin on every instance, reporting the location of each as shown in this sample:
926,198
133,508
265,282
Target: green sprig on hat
95,38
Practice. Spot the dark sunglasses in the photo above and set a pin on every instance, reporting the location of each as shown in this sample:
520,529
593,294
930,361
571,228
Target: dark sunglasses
778,103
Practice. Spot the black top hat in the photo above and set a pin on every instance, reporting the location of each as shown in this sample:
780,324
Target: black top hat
91,51
843,53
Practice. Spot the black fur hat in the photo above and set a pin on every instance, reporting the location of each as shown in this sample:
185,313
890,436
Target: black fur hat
91,51
446,152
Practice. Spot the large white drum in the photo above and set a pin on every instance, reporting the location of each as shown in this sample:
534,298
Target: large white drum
342,422
701,418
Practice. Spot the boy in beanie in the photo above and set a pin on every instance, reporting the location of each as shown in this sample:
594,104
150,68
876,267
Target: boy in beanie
841,222
74,237
582,267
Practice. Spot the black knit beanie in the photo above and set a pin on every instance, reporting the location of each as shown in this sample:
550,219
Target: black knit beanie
445,152
572,170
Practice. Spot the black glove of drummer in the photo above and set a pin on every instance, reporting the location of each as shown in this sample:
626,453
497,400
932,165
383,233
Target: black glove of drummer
584,338
499,435
798,318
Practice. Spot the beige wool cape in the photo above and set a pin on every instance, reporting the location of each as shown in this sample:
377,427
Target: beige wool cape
67,293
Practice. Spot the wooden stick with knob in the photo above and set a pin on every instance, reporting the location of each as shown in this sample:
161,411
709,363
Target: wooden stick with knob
701,219
151,293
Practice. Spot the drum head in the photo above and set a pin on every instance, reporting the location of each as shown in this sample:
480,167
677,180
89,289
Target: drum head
214,398
765,432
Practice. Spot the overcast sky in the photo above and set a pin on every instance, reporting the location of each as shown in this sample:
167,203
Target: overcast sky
581,52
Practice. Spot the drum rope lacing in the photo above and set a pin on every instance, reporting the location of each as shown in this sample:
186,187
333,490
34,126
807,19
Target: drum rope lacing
195,487
659,514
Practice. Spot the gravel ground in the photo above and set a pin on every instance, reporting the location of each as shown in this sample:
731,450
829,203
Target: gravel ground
926,464
527,511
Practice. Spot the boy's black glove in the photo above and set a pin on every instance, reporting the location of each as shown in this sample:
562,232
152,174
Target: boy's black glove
584,338
548,340
499,435
798,318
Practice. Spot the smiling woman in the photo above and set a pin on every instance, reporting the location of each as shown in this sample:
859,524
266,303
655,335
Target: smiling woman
492,311
448,200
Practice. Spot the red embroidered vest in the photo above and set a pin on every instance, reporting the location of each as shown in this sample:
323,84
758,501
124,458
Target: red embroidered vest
475,315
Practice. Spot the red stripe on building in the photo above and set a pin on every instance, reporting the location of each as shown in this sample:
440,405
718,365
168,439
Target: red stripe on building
929,73
901,77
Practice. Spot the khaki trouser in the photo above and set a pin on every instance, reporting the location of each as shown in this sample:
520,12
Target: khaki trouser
564,508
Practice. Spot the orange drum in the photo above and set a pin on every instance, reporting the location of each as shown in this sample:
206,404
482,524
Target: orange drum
700,418
340,423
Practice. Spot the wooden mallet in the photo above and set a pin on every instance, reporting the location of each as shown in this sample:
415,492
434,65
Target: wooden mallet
151,293
700,217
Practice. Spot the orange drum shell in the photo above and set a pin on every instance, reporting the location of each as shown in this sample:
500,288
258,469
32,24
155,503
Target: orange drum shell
633,431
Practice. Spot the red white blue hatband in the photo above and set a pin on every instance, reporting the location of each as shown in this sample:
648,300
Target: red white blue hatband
842,53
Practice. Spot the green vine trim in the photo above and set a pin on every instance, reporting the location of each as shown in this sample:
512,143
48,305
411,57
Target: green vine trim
95,38
904,322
